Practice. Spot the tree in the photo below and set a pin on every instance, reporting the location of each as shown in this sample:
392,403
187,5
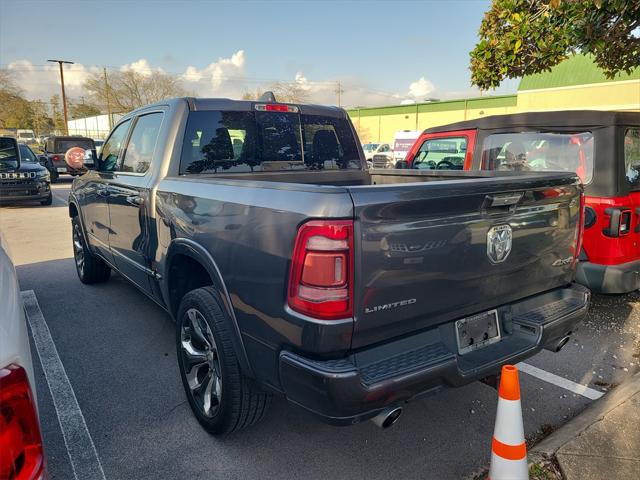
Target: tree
83,110
57,116
124,91
289,92
255,95
523,37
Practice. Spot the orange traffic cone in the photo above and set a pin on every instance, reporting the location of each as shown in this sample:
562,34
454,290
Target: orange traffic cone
508,448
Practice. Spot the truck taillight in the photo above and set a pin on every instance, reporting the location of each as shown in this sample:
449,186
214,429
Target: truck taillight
321,276
55,158
22,456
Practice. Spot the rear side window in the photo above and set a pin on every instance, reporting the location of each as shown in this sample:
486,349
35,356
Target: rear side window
234,142
142,143
63,145
632,157
540,152
442,154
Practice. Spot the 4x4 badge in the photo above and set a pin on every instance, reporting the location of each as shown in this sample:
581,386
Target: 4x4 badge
499,239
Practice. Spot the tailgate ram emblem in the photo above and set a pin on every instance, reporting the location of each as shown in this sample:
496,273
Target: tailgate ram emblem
499,240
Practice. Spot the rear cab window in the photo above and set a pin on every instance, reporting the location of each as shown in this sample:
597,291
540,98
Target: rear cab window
261,141
62,145
540,152
632,158
441,153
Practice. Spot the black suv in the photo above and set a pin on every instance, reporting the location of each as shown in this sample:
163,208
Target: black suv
54,150
22,178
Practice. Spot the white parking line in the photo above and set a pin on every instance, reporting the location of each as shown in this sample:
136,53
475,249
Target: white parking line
80,447
560,381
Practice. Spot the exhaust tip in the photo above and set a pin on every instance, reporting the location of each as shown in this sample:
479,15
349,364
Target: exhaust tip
561,344
387,417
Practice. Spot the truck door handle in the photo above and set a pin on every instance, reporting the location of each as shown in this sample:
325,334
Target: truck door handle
135,200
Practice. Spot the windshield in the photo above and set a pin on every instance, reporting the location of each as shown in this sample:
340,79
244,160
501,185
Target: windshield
25,135
235,142
63,145
540,151
441,154
370,147
26,154
8,154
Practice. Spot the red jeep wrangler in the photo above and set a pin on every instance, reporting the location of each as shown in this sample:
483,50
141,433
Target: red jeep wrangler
603,148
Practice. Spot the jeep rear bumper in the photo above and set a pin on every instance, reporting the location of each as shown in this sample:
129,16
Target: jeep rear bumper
356,388
621,278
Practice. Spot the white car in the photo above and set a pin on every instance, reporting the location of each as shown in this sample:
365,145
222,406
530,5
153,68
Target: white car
370,149
21,450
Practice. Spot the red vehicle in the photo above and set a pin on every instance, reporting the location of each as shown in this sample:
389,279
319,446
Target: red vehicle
602,148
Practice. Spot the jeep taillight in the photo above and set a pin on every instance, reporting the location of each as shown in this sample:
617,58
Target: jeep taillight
21,456
579,229
619,222
321,275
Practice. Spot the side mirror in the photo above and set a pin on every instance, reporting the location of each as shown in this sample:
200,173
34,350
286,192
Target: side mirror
402,164
42,160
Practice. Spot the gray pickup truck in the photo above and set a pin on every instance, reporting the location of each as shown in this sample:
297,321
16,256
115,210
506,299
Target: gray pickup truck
290,268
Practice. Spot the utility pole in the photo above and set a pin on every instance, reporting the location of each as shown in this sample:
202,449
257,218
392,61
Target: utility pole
339,91
64,97
106,93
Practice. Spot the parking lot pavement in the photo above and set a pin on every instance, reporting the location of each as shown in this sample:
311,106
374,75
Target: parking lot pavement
118,352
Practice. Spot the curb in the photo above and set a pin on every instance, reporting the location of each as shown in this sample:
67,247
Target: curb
547,448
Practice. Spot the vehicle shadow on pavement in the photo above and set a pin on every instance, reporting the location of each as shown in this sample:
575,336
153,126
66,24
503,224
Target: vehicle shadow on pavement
118,348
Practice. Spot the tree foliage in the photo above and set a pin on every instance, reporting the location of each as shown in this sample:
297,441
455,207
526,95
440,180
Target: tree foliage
124,91
523,37
83,110
289,92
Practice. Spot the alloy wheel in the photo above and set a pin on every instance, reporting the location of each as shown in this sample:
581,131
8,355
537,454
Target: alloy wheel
201,363
78,249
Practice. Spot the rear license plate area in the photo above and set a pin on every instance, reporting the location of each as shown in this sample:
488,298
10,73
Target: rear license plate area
477,331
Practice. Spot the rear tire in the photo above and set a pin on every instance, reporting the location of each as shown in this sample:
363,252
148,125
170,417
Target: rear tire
208,364
90,268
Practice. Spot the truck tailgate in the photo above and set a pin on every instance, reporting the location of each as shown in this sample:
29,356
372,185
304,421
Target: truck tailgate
428,253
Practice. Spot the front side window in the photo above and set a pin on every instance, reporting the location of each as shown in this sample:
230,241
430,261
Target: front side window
441,154
540,152
112,149
632,157
8,153
142,143
236,142
26,154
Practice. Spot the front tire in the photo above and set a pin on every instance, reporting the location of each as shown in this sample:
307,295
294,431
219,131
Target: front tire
90,269
47,201
221,397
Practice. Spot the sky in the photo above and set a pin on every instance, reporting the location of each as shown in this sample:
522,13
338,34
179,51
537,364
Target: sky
381,52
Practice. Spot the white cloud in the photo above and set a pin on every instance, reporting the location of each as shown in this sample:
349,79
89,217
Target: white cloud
142,66
224,77
421,88
40,82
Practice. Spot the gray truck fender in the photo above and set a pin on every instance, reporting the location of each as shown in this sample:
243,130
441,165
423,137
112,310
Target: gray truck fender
192,249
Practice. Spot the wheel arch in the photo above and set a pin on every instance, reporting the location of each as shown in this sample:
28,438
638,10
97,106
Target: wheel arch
181,249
